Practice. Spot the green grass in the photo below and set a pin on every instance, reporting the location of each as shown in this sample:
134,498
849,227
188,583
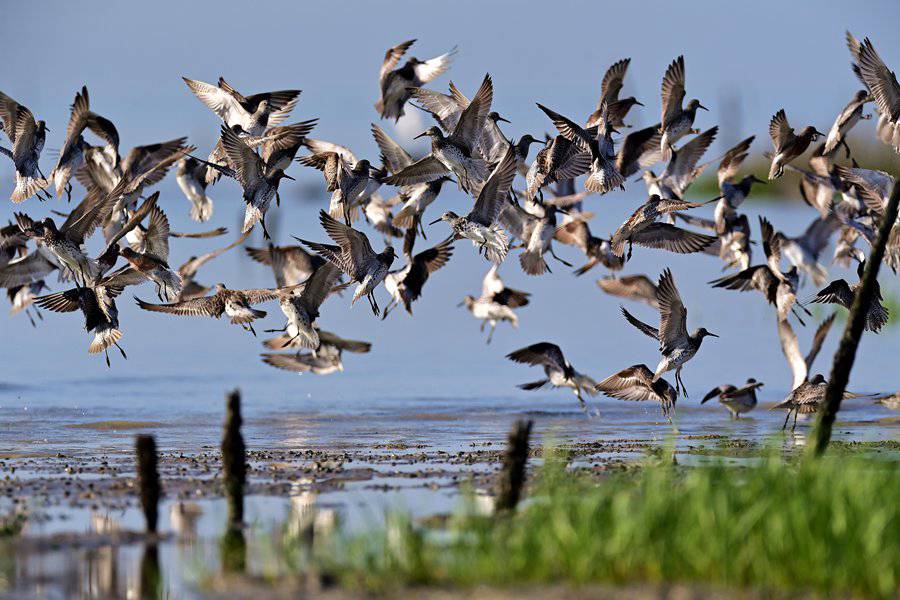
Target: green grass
829,526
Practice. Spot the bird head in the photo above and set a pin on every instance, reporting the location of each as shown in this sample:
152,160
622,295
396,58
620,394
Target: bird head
432,132
495,116
811,133
702,333
46,225
279,174
862,96
362,166
751,179
468,301
220,287
447,216
631,100
128,254
817,379
529,139
390,253
694,104
42,126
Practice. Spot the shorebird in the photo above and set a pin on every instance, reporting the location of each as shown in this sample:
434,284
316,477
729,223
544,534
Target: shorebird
633,287
559,159
882,85
405,285
236,304
480,224
22,299
891,401
807,398
559,371
354,255
253,114
152,261
675,343
733,245
324,360
496,302
575,232
27,137
455,153
799,364
300,305
845,121
788,145
395,82
733,191
873,188
677,121
682,168
258,180
779,288
191,178
535,233
637,383
291,264
597,141
415,198
610,87
350,180
641,228
803,251
737,400
71,156
842,293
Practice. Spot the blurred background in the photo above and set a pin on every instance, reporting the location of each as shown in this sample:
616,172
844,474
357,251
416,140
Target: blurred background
744,61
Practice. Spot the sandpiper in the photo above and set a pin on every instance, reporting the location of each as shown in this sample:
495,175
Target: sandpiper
455,153
873,187
188,270
291,264
559,159
22,299
842,293
576,232
71,156
610,87
325,360
405,285
788,145
254,113
559,371
152,261
778,287
27,137
259,181
480,224
236,304
682,168
734,192
807,398
677,121
597,141
143,167
675,343
536,235
638,383
845,121
301,305
354,255
633,287
639,150
395,82
496,302
191,178
737,400
799,364
641,228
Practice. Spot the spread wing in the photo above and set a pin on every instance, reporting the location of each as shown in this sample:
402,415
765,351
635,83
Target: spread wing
156,239
434,67
471,122
733,159
674,239
673,89
392,57
392,154
672,313
247,164
780,130
319,286
493,195
422,171
208,306
542,353
880,80
612,82
634,383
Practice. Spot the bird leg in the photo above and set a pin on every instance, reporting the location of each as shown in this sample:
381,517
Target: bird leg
262,222
783,427
121,350
553,254
106,352
282,330
422,229
794,425
483,323
373,303
38,313
33,324
629,248
346,210
277,198
68,191
491,333
846,147
290,341
581,401
387,309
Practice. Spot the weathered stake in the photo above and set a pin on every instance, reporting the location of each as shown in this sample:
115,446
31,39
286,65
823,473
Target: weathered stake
846,352
234,460
148,479
512,474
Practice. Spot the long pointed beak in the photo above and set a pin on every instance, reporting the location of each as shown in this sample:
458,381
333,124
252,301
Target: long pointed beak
504,120
423,134
711,334
286,176
703,107
639,103
460,305
438,220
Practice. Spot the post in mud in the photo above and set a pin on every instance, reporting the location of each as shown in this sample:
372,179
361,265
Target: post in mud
234,460
148,480
512,473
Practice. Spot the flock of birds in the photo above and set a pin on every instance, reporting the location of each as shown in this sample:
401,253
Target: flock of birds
469,150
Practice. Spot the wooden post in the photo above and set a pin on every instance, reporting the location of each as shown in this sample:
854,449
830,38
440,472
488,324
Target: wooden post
234,460
512,474
846,352
148,479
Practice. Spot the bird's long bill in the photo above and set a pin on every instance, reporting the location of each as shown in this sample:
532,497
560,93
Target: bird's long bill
639,103
423,134
711,334
438,220
703,107
499,118
286,176
461,304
